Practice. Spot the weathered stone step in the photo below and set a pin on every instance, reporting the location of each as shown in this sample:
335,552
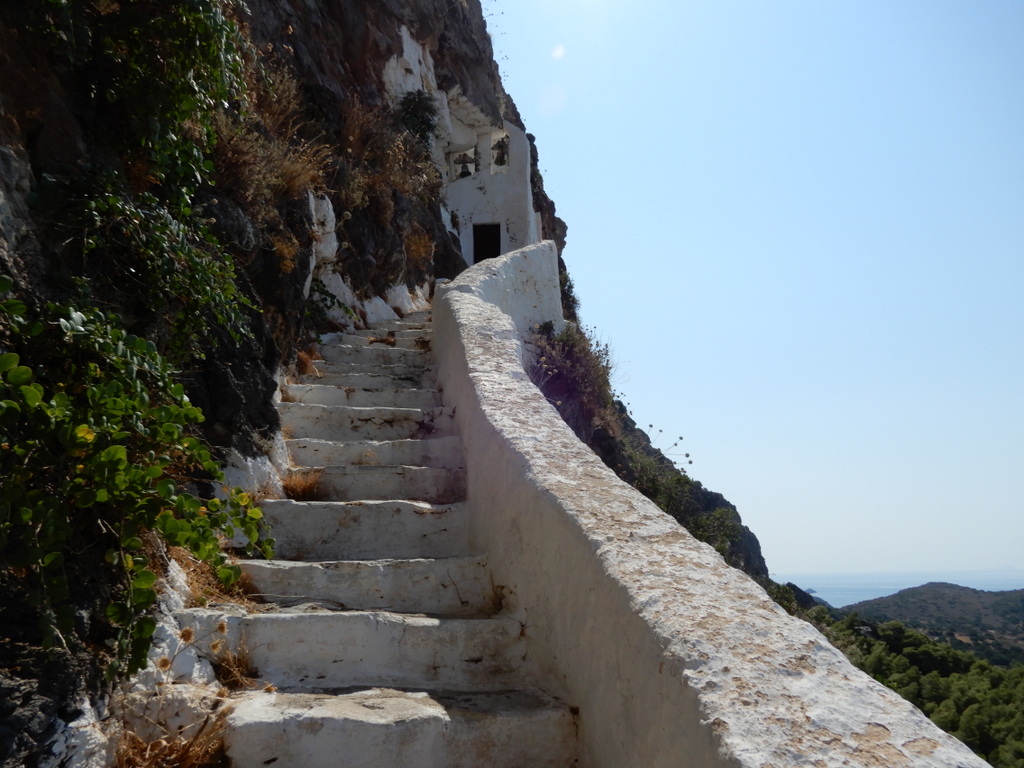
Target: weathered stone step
426,332
374,483
456,586
309,646
386,728
375,355
327,394
331,375
345,423
366,530
410,373
442,452
418,340
397,327
413,319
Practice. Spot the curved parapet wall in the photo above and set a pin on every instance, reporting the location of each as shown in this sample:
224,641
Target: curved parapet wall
673,657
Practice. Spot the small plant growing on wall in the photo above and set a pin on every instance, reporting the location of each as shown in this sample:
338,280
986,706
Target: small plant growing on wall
417,113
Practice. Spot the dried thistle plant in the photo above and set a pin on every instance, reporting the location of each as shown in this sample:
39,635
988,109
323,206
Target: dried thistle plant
234,668
203,747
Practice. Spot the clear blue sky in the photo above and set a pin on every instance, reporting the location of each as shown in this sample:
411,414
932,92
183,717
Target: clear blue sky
800,226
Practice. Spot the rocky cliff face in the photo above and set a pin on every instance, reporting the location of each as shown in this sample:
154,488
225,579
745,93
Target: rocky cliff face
325,62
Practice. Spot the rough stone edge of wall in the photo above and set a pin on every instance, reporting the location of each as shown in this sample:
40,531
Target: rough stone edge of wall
670,654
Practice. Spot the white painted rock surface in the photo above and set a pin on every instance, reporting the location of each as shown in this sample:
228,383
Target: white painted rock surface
342,376
417,340
355,483
375,354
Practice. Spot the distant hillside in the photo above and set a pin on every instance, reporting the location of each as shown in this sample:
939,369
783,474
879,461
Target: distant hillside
990,624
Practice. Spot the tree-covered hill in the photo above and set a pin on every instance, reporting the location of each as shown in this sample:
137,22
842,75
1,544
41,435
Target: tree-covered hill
979,703
989,624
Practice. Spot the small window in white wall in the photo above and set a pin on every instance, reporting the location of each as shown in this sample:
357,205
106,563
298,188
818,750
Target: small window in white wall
486,241
499,154
464,163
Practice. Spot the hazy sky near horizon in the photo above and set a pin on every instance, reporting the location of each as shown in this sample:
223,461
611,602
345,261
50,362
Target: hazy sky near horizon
800,226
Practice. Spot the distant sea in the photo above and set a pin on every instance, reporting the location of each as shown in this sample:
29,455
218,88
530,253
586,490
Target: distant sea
842,589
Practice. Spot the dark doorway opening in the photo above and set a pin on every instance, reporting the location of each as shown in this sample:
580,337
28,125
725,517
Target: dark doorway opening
486,241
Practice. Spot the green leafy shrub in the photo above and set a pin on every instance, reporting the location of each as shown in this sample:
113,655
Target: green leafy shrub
163,69
574,373
167,263
95,449
155,74
417,113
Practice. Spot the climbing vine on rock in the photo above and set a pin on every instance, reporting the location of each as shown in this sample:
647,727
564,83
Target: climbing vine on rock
157,74
173,261
157,71
95,451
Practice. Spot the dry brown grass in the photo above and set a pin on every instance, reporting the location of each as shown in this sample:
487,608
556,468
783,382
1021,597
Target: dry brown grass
419,247
303,485
275,95
304,363
206,588
285,248
377,156
203,748
305,358
261,171
235,668
388,340
574,373
271,154
496,599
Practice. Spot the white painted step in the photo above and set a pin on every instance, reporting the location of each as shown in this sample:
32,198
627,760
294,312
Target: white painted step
456,586
370,483
344,423
444,452
386,728
410,373
424,332
375,355
366,530
327,394
418,340
416,320
313,647
330,375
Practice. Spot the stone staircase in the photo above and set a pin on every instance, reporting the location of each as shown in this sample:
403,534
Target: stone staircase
385,637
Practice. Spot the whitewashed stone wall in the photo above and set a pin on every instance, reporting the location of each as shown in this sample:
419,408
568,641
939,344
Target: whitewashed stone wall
673,657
